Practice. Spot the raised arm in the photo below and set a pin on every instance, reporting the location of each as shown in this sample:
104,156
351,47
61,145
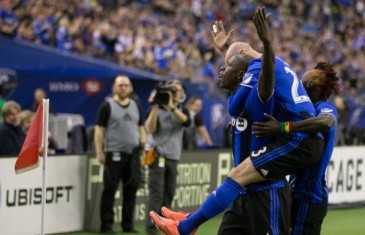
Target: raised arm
151,121
220,38
266,79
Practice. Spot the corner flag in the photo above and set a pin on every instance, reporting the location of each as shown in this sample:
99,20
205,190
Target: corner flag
29,154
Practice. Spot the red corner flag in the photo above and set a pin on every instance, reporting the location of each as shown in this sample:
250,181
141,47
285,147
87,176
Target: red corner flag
29,154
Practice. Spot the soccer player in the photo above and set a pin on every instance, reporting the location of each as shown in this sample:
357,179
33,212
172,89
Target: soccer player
267,201
286,155
310,192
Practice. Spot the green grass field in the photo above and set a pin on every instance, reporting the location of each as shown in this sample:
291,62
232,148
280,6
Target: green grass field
337,222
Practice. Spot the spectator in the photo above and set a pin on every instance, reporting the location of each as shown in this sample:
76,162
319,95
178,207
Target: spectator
165,125
8,20
52,144
194,66
2,102
120,127
39,95
26,118
197,130
152,36
63,38
43,28
106,41
11,134
341,123
25,31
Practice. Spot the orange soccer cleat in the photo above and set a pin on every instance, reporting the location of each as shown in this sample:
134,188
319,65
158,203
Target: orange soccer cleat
168,226
174,215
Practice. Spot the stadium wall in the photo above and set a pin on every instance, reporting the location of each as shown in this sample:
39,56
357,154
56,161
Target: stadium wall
20,208
74,83
75,185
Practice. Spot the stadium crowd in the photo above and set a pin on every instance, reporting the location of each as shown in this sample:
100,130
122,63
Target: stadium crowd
173,38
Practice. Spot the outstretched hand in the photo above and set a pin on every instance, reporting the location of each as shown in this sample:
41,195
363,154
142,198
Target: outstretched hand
271,127
261,21
220,38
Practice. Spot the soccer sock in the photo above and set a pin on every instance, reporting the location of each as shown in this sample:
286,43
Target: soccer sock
215,204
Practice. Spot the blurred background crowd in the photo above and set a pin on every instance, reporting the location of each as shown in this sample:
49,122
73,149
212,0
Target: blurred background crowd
173,38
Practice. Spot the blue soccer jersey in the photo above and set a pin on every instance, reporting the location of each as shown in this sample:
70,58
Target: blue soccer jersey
243,141
241,138
245,144
310,186
291,100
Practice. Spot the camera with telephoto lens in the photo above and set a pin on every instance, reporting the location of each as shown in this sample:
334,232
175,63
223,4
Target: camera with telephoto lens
162,92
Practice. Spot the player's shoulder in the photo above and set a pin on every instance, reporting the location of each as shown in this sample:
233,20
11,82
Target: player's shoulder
255,64
325,107
324,104
281,64
251,75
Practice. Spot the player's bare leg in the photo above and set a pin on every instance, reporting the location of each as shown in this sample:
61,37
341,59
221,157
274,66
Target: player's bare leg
245,173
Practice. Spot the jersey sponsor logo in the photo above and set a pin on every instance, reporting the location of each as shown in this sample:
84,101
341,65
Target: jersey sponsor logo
241,124
326,110
246,79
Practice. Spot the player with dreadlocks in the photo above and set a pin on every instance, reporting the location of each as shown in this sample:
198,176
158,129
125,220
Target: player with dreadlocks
310,192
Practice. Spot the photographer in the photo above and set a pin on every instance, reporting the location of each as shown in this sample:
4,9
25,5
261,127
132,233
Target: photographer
165,126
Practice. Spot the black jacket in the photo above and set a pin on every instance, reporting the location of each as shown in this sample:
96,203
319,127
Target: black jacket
11,140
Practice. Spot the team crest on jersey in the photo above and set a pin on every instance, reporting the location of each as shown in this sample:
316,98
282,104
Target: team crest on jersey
241,124
326,110
246,78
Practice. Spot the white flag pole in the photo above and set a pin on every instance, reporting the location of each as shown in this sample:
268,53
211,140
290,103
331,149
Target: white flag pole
45,153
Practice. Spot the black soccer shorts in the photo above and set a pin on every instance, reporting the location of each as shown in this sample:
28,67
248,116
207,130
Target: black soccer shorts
287,155
259,213
307,218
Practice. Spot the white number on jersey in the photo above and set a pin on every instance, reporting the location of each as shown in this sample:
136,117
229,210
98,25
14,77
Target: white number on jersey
259,152
294,88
